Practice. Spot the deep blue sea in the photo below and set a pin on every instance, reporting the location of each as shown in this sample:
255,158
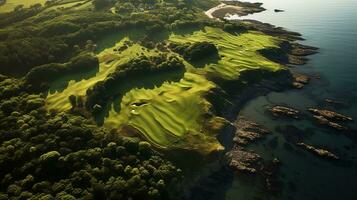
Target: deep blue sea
330,25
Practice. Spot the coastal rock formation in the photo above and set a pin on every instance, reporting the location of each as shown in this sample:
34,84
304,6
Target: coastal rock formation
323,121
247,7
240,159
271,29
282,111
302,50
248,131
330,118
330,115
244,161
300,80
319,152
278,10
287,52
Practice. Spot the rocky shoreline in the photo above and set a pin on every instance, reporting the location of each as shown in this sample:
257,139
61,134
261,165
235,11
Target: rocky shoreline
247,162
242,132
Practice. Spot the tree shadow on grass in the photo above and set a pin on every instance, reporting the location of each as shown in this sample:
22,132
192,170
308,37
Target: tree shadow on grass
188,30
203,61
134,34
62,82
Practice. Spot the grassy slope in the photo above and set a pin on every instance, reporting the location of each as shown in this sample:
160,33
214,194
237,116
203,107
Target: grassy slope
239,52
11,4
76,5
59,100
169,114
173,114
174,111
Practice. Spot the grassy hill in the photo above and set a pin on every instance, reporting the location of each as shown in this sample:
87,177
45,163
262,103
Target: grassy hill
173,114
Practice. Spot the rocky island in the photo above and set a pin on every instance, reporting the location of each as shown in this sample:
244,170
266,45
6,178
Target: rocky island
330,118
319,152
279,111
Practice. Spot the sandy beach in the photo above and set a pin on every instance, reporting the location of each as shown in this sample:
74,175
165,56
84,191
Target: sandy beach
223,7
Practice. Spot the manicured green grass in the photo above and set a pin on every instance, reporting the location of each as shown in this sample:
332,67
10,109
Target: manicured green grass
11,4
170,116
76,5
238,52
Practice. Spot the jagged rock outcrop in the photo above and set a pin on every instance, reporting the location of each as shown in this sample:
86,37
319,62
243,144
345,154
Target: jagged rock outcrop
330,118
283,111
330,115
323,121
244,161
248,131
319,152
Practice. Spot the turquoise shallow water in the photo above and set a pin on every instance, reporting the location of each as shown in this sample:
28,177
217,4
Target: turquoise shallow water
331,26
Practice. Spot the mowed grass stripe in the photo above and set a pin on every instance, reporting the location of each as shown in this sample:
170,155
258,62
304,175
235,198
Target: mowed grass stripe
147,123
169,120
238,52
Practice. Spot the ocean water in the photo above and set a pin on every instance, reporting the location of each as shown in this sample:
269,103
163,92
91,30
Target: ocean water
330,25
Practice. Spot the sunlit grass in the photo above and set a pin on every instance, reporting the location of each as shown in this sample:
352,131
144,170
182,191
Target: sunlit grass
11,4
169,116
238,52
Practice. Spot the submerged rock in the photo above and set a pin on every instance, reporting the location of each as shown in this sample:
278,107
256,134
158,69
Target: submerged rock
330,115
336,102
270,171
319,152
244,161
248,131
291,133
283,111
